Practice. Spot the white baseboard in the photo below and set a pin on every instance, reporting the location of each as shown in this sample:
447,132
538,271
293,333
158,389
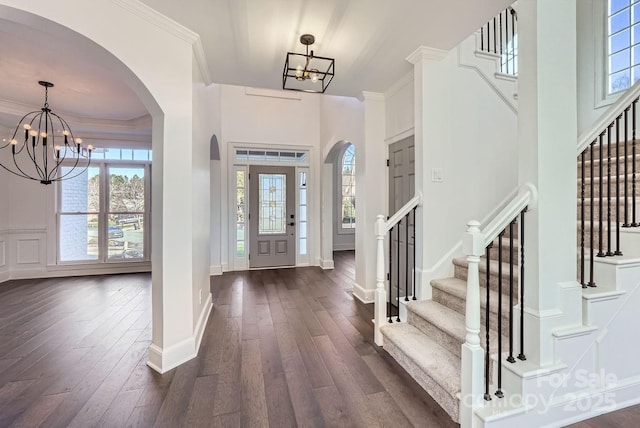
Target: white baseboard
202,321
215,270
443,268
164,359
326,264
344,247
5,276
362,294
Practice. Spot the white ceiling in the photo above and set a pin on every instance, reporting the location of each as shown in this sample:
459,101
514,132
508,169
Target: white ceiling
245,43
83,88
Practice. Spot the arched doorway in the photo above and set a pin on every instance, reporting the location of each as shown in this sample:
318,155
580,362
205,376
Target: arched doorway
179,312
338,201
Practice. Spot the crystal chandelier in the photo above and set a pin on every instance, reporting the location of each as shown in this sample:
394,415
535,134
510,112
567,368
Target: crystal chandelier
48,145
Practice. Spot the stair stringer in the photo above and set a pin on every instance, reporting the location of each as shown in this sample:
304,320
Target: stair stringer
487,65
595,368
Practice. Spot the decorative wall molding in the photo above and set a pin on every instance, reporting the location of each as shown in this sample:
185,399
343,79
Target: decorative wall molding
215,270
400,136
426,53
202,321
27,251
485,65
156,18
3,252
372,96
362,294
170,26
136,126
326,264
397,86
164,359
272,93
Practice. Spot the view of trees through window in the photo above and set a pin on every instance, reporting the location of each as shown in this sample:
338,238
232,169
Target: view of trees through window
348,185
92,227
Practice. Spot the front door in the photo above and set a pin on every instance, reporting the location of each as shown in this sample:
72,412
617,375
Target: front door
272,216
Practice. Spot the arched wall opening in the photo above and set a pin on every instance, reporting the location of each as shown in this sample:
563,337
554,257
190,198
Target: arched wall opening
166,89
330,208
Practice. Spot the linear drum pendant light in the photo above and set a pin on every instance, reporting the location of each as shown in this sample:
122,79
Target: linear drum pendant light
40,156
307,72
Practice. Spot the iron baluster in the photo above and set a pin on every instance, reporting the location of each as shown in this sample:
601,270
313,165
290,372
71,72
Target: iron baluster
499,392
618,252
521,356
487,326
600,231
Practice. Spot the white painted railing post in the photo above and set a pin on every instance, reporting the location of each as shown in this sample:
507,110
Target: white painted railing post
472,353
380,306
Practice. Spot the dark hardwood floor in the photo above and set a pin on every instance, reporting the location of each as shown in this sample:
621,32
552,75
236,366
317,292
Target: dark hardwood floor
282,348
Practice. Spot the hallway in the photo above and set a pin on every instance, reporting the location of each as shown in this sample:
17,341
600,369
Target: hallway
282,348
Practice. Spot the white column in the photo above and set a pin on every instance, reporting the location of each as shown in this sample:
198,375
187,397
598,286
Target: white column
380,309
472,376
547,159
423,59
371,197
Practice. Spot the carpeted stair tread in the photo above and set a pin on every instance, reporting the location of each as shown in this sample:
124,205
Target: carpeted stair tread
493,267
432,366
446,319
458,287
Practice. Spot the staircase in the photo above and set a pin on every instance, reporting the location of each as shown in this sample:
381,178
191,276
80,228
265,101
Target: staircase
428,346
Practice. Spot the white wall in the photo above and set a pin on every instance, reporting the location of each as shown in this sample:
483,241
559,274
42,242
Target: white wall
165,88
400,110
271,118
203,129
278,118
591,37
216,186
471,134
4,212
341,121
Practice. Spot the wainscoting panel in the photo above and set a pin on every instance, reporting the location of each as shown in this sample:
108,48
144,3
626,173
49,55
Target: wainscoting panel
4,266
27,250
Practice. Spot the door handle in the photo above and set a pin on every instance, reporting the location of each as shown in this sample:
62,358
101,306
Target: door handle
293,223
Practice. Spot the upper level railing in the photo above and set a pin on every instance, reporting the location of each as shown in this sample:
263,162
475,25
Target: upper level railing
397,226
499,36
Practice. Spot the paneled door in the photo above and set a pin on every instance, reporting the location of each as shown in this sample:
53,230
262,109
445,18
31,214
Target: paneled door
272,227
401,190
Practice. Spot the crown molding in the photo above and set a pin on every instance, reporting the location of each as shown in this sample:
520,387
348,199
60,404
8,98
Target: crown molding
172,27
11,112
156,18
201,60
372,96
426,53
397,86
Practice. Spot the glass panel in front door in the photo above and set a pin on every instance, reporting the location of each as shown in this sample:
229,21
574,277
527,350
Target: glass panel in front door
272,204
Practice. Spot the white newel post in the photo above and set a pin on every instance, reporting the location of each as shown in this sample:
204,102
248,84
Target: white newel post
380,309
472,353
